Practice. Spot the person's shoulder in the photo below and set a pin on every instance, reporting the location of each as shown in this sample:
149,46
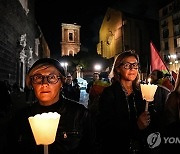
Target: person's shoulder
74,104
22,112
173,94
110,90
90,82
163,88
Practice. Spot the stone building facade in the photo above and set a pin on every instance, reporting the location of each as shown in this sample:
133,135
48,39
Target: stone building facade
21,40
169,24
121,31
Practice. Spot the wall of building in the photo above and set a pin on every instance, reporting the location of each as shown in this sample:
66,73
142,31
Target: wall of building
110,34
169,25
17,21
121,31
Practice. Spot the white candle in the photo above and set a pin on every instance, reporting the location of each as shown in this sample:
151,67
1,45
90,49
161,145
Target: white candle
44,127
148,91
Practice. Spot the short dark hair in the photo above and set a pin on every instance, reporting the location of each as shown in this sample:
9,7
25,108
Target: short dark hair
49,61
159,74
96,73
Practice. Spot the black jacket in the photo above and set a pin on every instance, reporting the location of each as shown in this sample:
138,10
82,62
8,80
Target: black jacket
75,134
117,124
71,91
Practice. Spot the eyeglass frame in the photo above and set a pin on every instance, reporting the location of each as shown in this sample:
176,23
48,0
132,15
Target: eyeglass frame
130,66
43,77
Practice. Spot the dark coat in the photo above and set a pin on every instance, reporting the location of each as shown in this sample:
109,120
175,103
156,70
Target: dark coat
172,122
75,134
118,122
156,109
172,108
71,91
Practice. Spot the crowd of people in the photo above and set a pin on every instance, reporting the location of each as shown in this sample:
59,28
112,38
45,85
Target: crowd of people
115,119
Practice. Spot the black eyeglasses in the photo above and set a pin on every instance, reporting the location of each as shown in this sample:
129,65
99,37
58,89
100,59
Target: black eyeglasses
130,66
39,79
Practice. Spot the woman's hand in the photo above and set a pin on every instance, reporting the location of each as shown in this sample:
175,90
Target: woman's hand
143,120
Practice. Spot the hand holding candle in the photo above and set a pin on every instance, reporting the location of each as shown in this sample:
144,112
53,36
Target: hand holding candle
148,91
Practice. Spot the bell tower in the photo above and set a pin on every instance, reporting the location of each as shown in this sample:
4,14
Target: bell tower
70,44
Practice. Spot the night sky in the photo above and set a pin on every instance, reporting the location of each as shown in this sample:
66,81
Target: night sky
88,14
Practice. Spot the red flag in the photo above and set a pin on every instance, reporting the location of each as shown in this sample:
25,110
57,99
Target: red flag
157,62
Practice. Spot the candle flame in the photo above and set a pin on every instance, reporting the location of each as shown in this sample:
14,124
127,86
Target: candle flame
149,80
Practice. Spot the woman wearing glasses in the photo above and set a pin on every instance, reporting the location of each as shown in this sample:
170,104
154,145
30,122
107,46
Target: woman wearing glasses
122,118
75,134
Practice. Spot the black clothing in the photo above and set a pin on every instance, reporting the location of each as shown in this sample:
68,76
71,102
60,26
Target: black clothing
172,122
75,133
89,85
156,109
172,108
117,129
5,113
71,91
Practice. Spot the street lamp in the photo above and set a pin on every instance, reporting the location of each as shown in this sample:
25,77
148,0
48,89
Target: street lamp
64,65
97,67
173,61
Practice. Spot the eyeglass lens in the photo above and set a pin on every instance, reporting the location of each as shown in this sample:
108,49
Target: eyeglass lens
131,65
39,79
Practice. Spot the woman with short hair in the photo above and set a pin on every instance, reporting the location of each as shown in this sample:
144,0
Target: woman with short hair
75,133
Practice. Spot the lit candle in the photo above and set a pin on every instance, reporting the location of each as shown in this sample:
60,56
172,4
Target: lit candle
148,91
149,80
44,127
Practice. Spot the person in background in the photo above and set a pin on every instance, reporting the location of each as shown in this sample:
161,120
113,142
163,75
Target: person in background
161,79
172,118
122,115
75,133
95,77
8,85
95,92
70,90
77,89
18,98
5,114
6,101
167,81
